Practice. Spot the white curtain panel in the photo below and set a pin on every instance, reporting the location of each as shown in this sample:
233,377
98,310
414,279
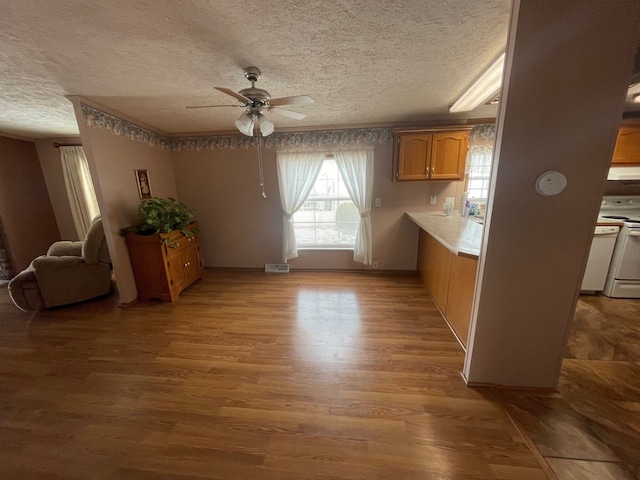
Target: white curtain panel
82,197
356,168
297,172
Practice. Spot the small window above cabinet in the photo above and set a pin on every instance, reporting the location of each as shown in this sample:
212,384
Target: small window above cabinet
431,154
627,149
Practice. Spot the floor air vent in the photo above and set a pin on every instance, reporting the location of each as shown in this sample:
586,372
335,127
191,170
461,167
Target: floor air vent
276,268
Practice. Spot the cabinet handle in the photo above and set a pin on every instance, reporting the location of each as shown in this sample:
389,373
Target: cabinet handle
175,245
187,264
433,171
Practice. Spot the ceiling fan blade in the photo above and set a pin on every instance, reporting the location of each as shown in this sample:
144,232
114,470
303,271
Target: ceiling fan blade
213,106
295,100
242,98
287,113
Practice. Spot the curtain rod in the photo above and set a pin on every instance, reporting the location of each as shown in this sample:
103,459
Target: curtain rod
58,145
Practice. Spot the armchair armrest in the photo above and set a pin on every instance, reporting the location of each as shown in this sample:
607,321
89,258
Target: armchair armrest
55,263
59,249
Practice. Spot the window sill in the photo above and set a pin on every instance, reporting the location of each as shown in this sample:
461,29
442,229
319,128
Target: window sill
316,249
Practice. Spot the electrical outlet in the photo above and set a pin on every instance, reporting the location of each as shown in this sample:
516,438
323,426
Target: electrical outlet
433,199
374,263
378,202
450,200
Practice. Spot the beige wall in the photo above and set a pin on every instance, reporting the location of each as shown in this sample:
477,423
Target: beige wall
112,160
51,165
567,71
29,225
240,228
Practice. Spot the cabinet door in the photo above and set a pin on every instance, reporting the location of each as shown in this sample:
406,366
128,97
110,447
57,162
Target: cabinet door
434,266
628,146
449,155
462,286
177,272
192,265
414,156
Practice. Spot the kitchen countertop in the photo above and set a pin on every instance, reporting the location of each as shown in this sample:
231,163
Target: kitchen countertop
609,221
460,235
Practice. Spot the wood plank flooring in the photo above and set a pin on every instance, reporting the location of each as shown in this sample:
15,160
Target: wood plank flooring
319,376
590,428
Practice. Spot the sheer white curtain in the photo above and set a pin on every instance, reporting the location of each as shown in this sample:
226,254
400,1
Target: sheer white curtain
297,172
356,168
77,179
479,159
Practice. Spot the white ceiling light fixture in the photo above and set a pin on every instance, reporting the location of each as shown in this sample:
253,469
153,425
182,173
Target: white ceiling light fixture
486,87
245,124
266,127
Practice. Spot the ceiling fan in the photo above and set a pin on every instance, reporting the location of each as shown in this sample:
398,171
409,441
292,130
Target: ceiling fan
257,102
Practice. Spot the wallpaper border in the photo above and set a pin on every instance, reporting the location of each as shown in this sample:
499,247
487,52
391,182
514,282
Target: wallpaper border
316,138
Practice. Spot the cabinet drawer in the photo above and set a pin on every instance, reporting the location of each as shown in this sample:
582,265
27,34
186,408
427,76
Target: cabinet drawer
178,244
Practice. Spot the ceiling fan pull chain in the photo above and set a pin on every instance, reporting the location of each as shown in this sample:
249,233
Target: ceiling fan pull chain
264,195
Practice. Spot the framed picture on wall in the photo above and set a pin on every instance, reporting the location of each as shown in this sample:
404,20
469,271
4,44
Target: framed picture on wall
142,180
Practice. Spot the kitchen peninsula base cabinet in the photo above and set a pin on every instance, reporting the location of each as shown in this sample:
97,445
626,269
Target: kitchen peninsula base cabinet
164,264
434,267
450,280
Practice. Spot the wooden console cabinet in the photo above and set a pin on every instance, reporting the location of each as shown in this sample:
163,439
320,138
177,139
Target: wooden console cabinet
163,269
431,154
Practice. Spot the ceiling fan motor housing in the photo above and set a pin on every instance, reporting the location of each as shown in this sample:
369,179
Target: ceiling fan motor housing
258,95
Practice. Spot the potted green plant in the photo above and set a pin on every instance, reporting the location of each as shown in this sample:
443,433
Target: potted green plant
164,215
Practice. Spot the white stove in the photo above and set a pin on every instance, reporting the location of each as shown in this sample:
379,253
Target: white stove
623,278
625,210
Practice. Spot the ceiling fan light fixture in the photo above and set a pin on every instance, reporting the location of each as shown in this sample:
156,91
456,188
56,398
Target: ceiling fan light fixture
486,87
245,124
636,98
266,126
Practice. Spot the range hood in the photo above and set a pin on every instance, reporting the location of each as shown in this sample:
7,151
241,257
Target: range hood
624,173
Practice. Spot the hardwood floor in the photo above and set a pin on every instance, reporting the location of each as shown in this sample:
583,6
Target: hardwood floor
590,428
320,376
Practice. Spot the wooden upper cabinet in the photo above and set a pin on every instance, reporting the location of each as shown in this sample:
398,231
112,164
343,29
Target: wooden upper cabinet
434,154
628,146
449,155
414,158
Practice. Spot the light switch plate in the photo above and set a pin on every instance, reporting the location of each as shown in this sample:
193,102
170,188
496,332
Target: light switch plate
378,202
433,199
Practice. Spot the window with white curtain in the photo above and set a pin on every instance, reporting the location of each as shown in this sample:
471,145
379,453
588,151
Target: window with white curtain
326,202
480,158
328,218
82,197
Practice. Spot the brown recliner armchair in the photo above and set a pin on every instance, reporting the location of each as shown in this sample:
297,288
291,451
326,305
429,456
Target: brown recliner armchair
70,272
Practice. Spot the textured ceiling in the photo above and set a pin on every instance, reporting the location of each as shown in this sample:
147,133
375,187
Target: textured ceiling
363,61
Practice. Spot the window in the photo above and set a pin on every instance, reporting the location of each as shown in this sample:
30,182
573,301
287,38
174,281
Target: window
77,179
328,217
479,172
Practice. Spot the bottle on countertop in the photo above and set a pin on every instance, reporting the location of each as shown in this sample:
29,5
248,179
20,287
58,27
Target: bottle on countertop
463,202
467,207
472,210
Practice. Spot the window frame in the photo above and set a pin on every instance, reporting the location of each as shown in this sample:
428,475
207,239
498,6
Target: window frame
333,198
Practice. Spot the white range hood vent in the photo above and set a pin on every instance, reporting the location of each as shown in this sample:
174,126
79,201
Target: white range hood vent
624,173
